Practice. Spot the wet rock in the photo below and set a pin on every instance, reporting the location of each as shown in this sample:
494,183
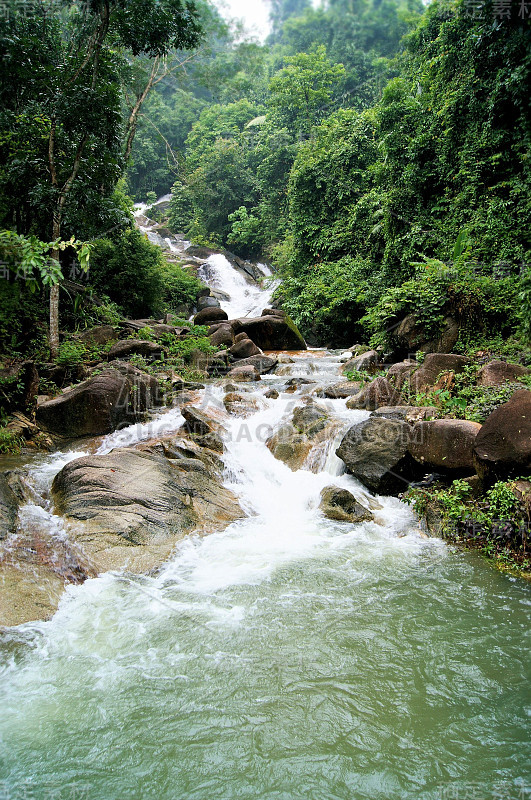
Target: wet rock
128,347
272,394
376,452
131,506
209,315
339,504
310,419
366,362
273,312
290,446
503,446
445,443
240,405
379,392
8,508
343,390
197,423
118,396
496,373
271,332
263,364
248,373
244,348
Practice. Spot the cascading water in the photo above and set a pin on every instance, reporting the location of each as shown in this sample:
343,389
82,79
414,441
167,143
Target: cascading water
286,657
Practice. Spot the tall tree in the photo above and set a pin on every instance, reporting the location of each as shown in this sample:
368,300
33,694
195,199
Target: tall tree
61,124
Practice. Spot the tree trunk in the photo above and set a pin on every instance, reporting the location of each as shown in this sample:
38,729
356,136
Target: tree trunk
54,295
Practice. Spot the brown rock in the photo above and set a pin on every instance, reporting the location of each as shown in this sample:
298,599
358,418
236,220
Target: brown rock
380,392
445,443
240,405
343,389
503,446
244,348
128,347
120,395
271,332
248,373
366,362
290,446
427,375
398,374
496,373
222,336
101,334
209,315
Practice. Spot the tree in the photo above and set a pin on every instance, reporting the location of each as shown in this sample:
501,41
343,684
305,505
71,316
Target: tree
62,80
301,91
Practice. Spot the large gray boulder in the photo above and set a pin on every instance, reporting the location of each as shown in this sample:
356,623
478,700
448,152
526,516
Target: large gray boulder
376,452
8,508
117,396
132,505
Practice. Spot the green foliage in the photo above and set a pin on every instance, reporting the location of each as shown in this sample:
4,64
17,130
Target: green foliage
71,353
10,443
494,521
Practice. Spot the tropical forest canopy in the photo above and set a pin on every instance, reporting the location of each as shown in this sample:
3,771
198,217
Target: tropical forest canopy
376,152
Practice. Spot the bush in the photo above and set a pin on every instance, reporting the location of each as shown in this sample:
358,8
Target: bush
128,269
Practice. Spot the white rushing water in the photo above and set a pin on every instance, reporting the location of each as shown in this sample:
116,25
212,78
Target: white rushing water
247,298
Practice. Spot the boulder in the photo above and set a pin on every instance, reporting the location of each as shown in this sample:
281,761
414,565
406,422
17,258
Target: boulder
343,390
118,396
131,506
209,315
398,374
445,443
244,348
310,419
207,302
273,312
272,394
376,452
496,373
271,332
339,504
366,362
241,337
248,373
412,336
100,334
263,364
379,392
8,508
128,347
503,446
196,422
290,446
435,364
222,336
241,405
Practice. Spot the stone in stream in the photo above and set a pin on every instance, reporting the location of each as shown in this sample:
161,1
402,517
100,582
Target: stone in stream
196,422
502,448
366,362
8,508
131,506
207,302
271,332
119,395
376,452
340,505
247,373
263,364
342,390
241,405
272,394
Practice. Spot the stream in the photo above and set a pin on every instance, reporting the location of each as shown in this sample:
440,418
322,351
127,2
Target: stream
288,657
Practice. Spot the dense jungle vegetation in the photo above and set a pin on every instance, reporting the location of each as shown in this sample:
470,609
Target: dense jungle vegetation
375,151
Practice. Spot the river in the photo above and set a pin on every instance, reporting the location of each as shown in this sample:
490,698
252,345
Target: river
288,657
